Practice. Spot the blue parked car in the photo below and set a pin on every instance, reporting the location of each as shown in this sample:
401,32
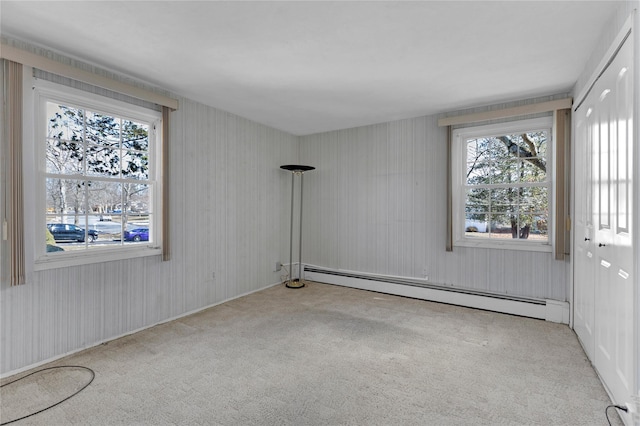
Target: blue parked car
137,234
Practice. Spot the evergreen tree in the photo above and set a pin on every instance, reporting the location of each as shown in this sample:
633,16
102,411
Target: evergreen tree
499,164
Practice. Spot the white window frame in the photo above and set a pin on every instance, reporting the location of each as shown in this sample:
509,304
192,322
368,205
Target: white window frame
35,114
458,170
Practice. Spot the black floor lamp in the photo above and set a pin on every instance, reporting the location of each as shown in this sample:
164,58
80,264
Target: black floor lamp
299,170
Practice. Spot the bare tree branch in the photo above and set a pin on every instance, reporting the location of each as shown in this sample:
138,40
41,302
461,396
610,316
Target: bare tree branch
519,151
530,144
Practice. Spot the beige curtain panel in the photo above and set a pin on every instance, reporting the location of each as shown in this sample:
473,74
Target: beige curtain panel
562,119
166,236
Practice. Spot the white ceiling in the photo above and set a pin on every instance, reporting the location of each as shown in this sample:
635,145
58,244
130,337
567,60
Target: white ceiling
309,67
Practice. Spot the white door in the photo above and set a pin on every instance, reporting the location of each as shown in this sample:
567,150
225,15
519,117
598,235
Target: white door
604,248
584,264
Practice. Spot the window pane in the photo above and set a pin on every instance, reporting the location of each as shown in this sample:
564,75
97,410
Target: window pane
65,197
535,143
478,173
500,149
478,161
135,136
92,230
505,171
476,224
534,227
523,223
104,198
55,196
103,161
103,129
135,165
533,170
520,149
534,199
503,198
477,200
64,157
109,232
64,122
477,149
540,227
500,226
136,197
141,199
137,214
138,229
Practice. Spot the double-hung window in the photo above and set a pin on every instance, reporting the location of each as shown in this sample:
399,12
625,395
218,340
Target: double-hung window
502,180
98,181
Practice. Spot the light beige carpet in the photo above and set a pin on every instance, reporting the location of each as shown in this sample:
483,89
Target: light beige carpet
328,355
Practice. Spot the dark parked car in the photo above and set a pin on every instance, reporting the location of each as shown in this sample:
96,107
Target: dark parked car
138,234
68,232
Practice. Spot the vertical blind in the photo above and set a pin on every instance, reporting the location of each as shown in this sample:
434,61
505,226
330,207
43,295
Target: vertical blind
13,84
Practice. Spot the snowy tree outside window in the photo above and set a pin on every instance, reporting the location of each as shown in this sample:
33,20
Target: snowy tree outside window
504,183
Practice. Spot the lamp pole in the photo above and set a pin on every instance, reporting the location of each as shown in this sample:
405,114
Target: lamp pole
299,170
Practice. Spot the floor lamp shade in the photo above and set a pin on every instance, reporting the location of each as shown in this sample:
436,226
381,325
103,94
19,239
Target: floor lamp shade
296,170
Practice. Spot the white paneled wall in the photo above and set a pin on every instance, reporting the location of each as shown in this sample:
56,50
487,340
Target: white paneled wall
376,204
227,196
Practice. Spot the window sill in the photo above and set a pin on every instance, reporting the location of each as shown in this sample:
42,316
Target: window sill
504,245
63,260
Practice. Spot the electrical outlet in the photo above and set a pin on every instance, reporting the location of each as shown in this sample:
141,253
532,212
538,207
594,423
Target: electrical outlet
425,273
278,267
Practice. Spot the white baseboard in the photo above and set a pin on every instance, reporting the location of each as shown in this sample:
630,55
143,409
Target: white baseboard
557,311
548,310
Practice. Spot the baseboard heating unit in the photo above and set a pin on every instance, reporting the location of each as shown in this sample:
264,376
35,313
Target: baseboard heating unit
546,309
